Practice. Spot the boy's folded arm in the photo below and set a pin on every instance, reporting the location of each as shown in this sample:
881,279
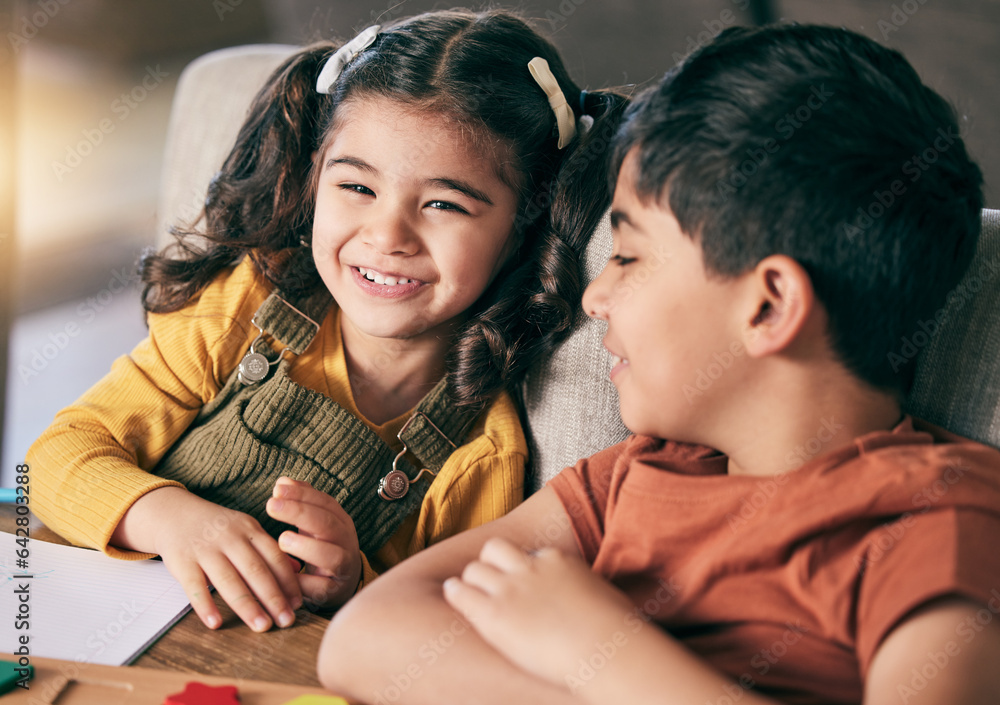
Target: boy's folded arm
399,634
929,659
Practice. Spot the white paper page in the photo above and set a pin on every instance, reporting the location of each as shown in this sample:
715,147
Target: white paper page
84,606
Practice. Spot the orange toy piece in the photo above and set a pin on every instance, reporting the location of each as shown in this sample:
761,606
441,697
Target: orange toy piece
196,693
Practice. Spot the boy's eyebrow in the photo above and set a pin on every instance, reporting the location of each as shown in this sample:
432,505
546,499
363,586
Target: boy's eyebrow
462,187
618,217
352,161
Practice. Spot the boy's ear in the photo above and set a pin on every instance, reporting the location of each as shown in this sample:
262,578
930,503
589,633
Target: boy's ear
783,300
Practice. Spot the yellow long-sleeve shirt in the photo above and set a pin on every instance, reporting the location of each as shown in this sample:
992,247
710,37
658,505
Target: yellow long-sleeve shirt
98,455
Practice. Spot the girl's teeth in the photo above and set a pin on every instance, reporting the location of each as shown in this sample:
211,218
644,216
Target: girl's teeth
382,279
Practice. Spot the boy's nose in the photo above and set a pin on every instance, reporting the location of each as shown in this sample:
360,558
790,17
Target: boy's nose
595,299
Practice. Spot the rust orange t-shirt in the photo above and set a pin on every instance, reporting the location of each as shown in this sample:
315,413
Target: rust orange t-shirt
789,583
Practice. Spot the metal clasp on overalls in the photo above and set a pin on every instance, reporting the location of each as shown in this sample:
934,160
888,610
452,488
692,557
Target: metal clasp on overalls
254,366
396,484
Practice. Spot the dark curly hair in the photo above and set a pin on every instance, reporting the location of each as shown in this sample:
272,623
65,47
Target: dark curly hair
472,67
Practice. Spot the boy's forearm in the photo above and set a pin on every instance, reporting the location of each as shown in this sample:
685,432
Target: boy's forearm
651,665
428,653
399,636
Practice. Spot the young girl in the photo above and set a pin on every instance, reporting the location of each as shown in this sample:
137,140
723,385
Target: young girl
381,263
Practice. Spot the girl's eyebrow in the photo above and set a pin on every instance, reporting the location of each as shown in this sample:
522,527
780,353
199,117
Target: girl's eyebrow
462,187
353,161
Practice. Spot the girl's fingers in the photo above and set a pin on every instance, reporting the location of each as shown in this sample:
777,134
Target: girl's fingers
286,487
321,591
244,580
262,577
313,519
195,584
283,569
231,588
329,559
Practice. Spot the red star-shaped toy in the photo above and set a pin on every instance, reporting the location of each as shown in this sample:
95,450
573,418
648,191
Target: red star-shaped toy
196,693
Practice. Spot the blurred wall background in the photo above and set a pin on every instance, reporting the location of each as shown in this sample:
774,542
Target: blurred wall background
91,100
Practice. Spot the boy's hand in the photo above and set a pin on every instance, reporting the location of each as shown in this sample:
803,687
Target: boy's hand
544,611
326,541
205,544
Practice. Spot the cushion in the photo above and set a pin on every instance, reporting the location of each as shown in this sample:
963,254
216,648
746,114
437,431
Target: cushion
570,401
957,384
213,96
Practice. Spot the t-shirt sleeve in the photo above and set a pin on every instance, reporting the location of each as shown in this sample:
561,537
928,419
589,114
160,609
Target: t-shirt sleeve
920,558
583,490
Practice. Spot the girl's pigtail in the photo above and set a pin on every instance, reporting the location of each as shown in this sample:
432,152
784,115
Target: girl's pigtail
580,199
496,348
260,201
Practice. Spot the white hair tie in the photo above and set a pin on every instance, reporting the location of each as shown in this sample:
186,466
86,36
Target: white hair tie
565,121
343,56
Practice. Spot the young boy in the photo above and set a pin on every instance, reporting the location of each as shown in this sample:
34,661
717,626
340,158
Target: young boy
830,549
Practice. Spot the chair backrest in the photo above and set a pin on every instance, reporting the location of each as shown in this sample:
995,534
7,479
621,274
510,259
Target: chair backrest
957,353
212,98
571,405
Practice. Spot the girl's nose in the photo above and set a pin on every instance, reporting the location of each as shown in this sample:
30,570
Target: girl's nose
392,235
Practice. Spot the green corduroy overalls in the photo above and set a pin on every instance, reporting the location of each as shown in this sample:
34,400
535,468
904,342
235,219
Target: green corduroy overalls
252,433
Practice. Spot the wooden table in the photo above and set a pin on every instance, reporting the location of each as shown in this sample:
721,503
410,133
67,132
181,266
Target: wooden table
233,650
58,682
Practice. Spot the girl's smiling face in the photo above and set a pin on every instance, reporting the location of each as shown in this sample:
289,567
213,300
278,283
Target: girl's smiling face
412,221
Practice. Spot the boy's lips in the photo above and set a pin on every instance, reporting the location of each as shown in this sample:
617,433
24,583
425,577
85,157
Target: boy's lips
618,363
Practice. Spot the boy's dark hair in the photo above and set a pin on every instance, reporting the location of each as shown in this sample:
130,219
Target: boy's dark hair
472,67
820,144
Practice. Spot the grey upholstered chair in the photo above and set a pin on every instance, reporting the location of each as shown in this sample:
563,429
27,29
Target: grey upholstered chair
572,407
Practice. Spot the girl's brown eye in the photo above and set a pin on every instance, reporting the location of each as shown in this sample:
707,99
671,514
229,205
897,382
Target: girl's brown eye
447,206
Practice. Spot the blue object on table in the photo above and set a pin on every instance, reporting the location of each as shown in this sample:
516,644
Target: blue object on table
8,496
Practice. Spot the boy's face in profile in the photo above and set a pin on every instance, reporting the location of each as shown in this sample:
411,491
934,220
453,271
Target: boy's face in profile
669,325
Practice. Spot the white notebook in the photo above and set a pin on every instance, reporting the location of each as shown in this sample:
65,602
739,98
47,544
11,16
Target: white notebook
83,606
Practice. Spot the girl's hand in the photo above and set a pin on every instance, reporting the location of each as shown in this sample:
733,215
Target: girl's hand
544,611
326,541
205,544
